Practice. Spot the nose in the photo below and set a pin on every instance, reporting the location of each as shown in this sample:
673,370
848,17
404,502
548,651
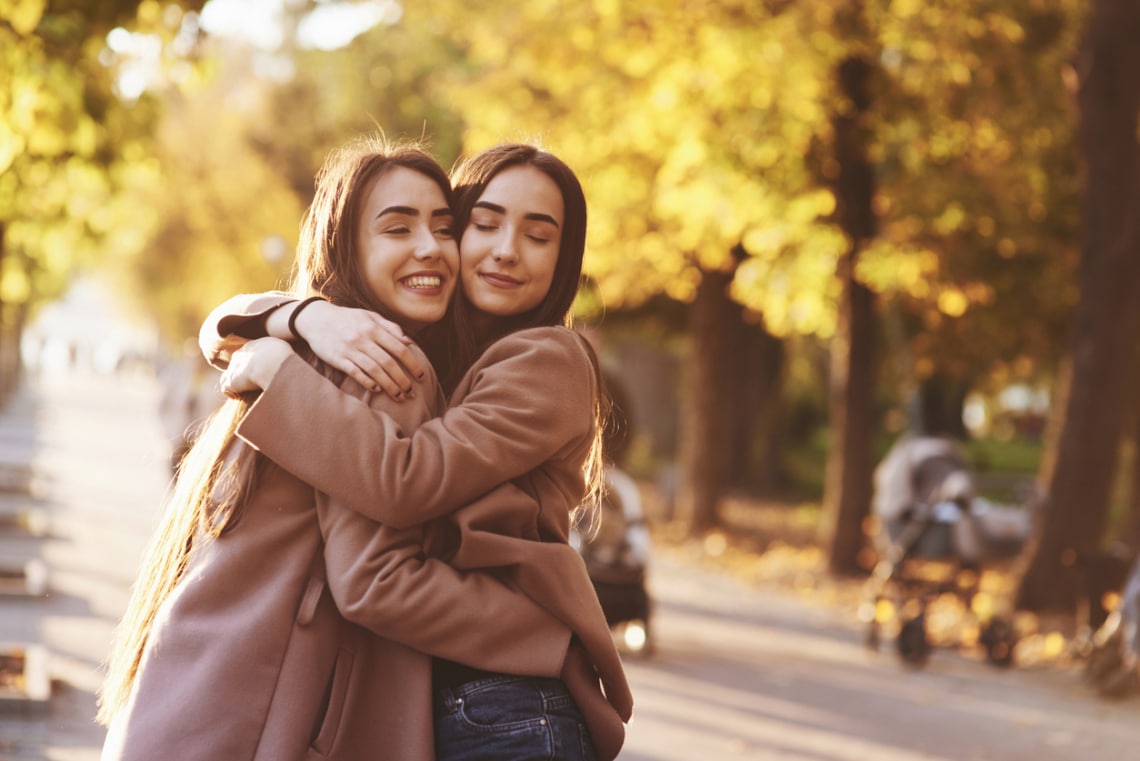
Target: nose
505,250
428,247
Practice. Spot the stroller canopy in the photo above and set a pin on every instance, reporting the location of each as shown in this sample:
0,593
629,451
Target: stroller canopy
921,470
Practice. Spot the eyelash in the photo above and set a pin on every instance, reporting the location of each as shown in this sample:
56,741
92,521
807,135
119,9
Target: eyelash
489,228
447,230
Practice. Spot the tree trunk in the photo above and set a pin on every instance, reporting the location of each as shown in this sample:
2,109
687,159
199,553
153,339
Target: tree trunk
941,399
1130,531
847,484
1054,423
706,408
757,373
1105,326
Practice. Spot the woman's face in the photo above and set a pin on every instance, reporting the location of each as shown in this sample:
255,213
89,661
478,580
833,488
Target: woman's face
406,247
511,243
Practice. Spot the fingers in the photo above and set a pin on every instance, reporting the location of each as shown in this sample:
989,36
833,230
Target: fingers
384,373
350,369
395,357
370,349
234,384
394,329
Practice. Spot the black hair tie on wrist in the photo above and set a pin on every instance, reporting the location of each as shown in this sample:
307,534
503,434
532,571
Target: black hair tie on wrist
297,311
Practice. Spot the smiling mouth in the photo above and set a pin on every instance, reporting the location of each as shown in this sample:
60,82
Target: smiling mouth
500,280
424,282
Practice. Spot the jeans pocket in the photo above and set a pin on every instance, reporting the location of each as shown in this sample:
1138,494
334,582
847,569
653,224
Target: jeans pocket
515,718
503,706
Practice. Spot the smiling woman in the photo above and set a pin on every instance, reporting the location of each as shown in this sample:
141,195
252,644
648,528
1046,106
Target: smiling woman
498,478
510,247
313,681
406,247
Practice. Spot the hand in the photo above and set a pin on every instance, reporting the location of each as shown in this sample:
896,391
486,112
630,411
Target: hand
370,349
253,366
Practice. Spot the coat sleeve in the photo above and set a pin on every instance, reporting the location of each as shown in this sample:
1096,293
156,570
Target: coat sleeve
530,399
218,337
381,579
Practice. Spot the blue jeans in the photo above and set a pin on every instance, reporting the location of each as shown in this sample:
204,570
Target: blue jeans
510,718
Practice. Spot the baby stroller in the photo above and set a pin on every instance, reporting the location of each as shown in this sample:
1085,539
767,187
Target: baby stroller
928,513
616,545
1113,664
617,558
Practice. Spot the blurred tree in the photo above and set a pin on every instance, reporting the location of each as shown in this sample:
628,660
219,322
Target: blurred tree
1108,313
221,212
385,80
847,485
213,216
706,135
690,125
65,134
977,197
969,200
687,124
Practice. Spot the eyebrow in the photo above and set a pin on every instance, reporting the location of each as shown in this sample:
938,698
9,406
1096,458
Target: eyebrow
536,216
413,212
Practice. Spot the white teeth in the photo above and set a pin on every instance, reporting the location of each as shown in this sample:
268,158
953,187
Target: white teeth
424,281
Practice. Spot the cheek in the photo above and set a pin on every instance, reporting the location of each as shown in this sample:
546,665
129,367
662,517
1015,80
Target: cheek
551,266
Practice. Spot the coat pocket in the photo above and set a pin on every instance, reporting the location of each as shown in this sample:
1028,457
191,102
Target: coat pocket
309,601
332,706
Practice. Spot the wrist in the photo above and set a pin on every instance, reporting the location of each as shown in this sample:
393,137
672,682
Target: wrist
277,321
297,331
270,356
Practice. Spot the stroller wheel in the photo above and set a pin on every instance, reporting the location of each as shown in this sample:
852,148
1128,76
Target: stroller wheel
1105,654
1106,669
999,639
1118,684
913,647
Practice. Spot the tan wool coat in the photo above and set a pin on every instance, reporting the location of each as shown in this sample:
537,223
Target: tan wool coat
506,457
251,659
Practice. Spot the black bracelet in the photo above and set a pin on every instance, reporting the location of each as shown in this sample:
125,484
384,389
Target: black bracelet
296,311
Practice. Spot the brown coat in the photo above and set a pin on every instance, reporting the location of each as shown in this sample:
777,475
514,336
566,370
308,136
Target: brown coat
495,432
250,658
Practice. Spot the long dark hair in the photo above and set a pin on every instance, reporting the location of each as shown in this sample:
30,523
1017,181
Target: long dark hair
220,471
455,343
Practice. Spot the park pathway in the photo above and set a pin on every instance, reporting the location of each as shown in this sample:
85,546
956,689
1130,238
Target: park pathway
740,672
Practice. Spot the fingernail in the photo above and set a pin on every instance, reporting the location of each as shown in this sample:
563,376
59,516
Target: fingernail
376,387
412,394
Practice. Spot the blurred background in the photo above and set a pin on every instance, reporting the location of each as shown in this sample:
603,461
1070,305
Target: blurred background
814,226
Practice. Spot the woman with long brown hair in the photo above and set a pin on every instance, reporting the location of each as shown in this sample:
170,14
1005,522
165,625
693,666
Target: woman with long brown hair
232,646
525,408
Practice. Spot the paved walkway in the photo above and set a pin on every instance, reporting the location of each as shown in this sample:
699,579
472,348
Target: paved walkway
100,467
740,672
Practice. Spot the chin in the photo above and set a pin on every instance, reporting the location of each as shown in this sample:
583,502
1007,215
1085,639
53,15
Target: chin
495,307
